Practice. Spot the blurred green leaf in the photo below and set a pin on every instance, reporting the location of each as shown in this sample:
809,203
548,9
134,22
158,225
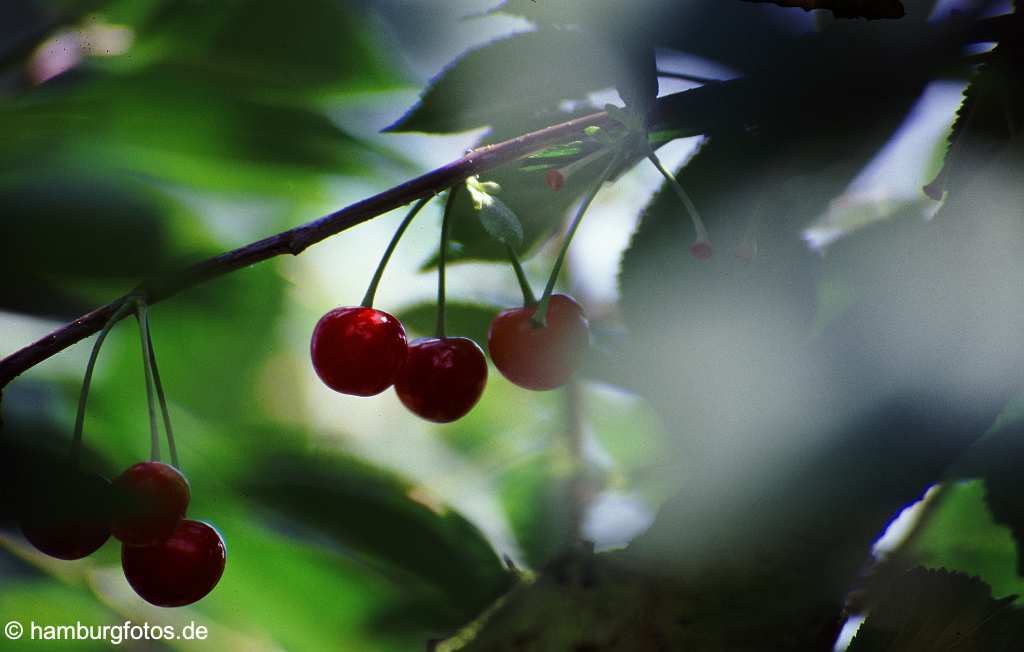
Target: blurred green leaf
76,223
472,320
536,499
507,82
961,535
385,520
178,123
286,54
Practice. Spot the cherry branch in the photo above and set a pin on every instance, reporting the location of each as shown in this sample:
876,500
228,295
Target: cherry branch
294,241
699,109
847,8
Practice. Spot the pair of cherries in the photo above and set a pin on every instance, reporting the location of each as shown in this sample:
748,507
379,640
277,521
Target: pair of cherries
363,351
170,561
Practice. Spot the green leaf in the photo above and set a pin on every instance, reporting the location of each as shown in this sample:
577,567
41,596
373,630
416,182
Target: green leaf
939,610
536,499
541,211
503,225
177,123
962,535
384,520
271,48
510,81
464,319
79,223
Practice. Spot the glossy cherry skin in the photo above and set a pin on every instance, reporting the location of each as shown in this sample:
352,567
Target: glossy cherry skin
67,516
149,501
358,350
178,571
443,378
539,358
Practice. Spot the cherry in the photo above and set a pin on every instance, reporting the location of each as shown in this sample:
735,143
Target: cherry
537,357
68,517
358,350
443,377
178,571
150,499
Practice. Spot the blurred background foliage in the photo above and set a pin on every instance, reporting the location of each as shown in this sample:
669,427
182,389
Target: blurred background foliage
141,135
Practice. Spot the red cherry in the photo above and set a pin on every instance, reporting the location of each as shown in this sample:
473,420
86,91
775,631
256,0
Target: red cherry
443,378
178,571
68,517
150,499
358,350
539,358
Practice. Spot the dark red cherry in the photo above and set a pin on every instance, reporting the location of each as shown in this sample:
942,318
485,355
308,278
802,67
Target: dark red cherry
67,515
150,499
443,378
178,571
358,350
539,357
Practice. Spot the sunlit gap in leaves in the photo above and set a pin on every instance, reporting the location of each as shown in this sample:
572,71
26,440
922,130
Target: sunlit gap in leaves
894,536
896,174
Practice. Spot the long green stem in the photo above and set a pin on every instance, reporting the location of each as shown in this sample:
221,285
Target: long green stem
371,291
698,224
539,318
524,284
442,259
168,431
154,431
76,439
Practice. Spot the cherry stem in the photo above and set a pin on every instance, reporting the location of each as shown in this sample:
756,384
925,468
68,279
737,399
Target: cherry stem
698,224
442,259
76,439
371,291
166,413
539,318
524,284
154,431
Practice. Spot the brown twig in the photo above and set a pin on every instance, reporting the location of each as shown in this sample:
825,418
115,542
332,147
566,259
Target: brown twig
296,240
847,8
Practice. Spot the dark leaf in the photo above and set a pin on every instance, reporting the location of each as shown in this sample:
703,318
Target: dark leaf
938,610
289,54
638,87
990,115
508,82
73,223
385,520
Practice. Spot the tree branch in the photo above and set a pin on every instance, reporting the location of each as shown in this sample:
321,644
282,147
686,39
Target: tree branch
847,8
699,110
294,241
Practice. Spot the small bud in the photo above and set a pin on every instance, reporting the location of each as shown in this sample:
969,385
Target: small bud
747,248
554,179
746,252
701,249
